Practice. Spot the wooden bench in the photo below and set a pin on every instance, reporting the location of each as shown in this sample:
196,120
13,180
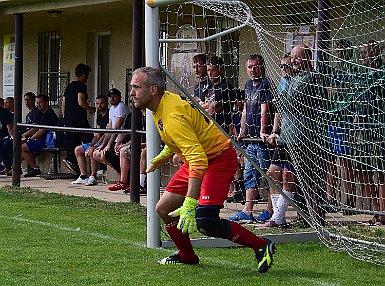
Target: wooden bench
55,152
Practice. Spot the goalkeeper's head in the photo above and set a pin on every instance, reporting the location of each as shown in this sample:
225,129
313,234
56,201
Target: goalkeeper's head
147,87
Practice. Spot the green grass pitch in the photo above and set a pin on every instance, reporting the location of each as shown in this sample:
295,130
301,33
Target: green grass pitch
51,239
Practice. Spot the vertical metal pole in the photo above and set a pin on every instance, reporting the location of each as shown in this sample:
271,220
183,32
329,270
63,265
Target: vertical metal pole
137,62
323,43
18,99
323,33
152,136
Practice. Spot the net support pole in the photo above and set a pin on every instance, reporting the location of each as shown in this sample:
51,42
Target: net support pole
137,61
152,136
323,33
18,87
317,195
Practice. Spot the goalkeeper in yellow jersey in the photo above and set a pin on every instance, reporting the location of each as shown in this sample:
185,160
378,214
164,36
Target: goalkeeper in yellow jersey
195,194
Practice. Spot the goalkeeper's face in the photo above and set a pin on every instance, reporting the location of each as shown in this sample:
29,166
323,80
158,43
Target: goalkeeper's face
141,94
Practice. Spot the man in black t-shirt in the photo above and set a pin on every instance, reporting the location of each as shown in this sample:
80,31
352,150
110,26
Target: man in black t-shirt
34,144
74,109
86,149
6,145
221,97
6,129
204,84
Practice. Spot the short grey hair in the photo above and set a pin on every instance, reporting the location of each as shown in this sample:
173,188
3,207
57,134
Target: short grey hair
154,76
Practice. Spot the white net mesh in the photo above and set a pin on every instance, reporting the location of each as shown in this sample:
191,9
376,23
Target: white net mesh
332,117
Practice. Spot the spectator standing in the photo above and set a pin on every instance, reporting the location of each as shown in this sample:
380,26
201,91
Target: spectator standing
281,169
203,86
87,149
1,102
34,144
286,72
304,96
74,110
194,196
338,128
368,122
221,97
256,123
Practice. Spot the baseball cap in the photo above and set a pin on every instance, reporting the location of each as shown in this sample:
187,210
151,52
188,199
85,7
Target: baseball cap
114,91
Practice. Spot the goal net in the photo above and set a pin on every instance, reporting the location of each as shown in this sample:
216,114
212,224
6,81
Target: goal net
332,117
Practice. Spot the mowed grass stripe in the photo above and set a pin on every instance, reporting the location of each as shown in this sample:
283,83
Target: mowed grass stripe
18,218
51,239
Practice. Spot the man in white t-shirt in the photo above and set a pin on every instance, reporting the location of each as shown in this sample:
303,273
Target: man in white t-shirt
118,114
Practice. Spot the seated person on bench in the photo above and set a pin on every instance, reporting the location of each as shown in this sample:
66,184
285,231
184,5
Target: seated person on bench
87,149
33,145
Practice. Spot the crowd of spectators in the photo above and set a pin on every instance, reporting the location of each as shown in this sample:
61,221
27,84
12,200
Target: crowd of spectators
251,115
101,149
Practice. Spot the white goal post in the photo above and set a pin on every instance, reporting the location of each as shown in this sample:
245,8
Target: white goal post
152,136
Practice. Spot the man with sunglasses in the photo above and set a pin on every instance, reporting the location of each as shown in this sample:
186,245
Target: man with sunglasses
281,169
286,72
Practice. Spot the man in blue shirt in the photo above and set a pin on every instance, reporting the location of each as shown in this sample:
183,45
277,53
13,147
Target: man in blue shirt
256,123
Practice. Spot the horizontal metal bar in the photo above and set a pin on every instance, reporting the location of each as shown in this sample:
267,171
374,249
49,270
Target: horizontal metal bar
39,6
253,140
350,209
158,3
75,129
212,37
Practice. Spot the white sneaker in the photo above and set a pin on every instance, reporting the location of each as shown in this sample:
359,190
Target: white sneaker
91,181
79,181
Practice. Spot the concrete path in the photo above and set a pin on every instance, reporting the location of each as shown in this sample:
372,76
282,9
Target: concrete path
61,186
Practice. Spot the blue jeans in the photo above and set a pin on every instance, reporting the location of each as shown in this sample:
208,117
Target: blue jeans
260,154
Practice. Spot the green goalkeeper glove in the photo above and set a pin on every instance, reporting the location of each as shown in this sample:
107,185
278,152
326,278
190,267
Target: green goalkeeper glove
187,220
159,160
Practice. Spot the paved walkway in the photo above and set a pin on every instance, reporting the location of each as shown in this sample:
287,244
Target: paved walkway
61,186
100,191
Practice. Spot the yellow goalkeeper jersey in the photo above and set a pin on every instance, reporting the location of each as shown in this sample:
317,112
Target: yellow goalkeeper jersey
189,133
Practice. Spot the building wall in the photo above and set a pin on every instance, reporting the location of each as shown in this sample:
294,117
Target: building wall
79,41
79,35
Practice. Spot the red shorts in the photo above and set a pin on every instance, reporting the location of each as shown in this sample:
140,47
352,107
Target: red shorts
216,182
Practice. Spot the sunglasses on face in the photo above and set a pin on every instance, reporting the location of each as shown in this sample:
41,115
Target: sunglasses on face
285,66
